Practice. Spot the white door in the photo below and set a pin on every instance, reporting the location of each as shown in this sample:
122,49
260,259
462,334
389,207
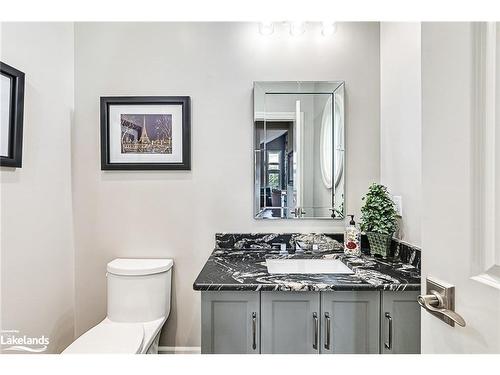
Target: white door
461,181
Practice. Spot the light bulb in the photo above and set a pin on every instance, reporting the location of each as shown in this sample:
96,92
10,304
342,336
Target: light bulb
328,28
297,28
266,28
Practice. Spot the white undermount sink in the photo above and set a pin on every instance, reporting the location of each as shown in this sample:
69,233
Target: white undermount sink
331,266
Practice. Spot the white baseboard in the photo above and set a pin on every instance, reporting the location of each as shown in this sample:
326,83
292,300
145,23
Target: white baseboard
179,350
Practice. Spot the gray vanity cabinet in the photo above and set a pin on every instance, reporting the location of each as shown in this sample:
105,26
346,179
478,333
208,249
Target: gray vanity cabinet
400,323
230,322
310,322
290,322
350,322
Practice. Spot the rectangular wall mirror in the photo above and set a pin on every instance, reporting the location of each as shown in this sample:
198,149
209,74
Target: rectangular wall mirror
299,162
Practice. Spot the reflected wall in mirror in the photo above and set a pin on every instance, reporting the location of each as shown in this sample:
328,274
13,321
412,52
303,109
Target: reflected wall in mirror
299,150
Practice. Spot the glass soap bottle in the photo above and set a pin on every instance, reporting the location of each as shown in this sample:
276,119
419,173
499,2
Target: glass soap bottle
352,238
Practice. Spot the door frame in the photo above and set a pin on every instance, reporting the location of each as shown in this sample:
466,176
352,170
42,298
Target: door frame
485,168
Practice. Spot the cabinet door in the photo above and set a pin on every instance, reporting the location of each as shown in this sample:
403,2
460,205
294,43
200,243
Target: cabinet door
400,323
230,322
290,322
350,322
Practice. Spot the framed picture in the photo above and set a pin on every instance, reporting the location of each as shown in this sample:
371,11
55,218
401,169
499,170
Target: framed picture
11,120
145,133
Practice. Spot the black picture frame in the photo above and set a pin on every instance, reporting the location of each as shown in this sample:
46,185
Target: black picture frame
184,101
16,117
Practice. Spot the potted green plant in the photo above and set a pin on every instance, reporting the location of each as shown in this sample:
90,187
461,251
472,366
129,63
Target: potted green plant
379,219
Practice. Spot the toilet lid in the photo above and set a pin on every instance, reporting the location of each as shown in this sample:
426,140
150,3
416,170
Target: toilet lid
110,337
139,267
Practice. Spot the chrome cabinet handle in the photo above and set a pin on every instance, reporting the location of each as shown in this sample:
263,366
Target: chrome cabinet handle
434,302
388,345
327,331
254,330
316,333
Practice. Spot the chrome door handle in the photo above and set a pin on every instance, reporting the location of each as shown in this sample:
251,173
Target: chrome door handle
316,333
388,345
434,302
327,331
254,330
439,301
299,212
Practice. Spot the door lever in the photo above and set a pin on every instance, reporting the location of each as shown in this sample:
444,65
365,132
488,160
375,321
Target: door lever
433,302
440,301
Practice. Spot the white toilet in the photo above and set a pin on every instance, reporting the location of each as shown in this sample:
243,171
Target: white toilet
138,306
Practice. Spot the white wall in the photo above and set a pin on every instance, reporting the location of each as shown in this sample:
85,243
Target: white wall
401,121
37,252
175,214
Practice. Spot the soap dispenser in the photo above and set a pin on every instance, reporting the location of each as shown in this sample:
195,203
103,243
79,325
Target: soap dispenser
352,238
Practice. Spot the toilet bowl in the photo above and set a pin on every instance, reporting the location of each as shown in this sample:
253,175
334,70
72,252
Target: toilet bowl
138,307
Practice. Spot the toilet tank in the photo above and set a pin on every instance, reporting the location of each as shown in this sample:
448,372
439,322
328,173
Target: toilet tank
139,289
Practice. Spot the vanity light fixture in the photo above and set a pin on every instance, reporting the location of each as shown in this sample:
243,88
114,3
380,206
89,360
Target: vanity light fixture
266,28
328,28
297,28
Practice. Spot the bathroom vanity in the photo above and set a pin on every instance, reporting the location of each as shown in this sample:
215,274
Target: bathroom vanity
247,308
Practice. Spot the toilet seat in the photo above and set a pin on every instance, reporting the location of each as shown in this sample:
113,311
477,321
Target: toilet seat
110,337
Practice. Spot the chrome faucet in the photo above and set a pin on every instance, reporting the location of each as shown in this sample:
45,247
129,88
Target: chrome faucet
282,247
298,247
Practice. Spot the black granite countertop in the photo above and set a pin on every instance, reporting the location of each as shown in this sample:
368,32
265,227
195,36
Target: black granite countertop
245,269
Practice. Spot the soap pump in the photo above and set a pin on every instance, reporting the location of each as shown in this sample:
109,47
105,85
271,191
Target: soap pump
352,238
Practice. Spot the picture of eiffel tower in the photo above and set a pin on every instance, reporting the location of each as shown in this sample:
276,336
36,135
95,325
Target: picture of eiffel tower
135,137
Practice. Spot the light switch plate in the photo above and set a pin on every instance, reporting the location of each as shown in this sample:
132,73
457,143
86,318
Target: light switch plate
398,202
